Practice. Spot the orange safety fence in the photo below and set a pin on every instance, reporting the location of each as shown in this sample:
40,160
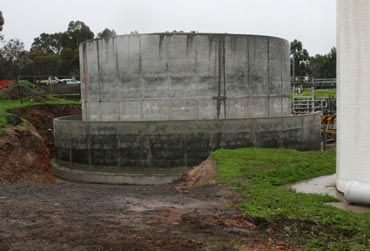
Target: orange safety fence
4,83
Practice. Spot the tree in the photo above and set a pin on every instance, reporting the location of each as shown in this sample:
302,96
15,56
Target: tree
299,59
69,59
44,63
1,21
107,33
331,64
59,50
13,59
76,33
324,66
49,43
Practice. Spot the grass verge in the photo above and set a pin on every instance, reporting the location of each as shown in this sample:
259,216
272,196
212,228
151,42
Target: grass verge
6,105
257,174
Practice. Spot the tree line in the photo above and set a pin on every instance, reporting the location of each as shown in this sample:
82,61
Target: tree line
318,66
57,54
50,54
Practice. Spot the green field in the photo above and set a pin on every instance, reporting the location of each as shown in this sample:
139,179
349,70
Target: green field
321,93
257,175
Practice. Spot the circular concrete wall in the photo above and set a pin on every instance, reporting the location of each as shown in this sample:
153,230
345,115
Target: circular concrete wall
157,148
184,76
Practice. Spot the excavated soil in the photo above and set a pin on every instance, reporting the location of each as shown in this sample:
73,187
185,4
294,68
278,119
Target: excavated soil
24,158
25,153
42,116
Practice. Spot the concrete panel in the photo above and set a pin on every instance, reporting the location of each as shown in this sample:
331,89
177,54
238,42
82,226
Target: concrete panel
258,106
187,86
206,59
156,110
94,111
153,59
129,58
131,87
285,63
275,106
182,55
155,86
275,66
286,104
207,109
258,65
79,135
93,73
184,109
236,66
131,110
110,111
108,60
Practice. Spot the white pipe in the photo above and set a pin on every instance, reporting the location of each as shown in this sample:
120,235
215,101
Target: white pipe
357,193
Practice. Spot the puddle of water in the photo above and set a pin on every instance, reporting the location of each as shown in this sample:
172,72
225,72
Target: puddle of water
326,185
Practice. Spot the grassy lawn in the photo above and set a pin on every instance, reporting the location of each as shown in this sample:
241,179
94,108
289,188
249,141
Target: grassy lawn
14,104
321,93
257,174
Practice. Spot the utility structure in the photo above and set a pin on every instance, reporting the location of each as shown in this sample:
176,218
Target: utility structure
353,147
154,105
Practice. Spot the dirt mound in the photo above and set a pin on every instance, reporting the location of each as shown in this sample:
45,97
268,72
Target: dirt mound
42,116
27,91
25,154
201,175
24,157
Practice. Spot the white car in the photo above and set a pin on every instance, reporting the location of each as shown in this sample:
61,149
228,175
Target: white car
70,81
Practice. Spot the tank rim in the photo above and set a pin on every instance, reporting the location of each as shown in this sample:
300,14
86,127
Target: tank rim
187,34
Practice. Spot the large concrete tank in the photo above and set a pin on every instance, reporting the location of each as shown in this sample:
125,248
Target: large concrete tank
185,76
155,104
353,147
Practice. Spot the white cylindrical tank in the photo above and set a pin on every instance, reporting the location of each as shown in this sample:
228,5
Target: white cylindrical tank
353,116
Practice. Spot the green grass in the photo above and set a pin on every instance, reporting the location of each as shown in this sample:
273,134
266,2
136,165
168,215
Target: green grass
6,105
321,93
257,174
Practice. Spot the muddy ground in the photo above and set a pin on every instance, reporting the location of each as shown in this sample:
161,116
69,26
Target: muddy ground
77,217
196,213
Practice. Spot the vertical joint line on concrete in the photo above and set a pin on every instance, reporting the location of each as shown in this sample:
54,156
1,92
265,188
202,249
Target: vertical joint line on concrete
219,62
281,80
99,79
89,144
224,73
268,77
248,65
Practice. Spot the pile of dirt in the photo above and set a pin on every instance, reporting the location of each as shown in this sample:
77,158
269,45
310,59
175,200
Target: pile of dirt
24,157
26,153
201,175
42,116
27,91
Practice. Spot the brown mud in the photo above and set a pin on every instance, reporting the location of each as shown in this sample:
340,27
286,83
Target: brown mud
194,213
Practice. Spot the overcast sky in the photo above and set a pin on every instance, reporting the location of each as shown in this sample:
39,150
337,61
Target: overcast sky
310,21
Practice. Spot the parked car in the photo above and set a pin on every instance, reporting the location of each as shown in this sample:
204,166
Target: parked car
70,81
48,81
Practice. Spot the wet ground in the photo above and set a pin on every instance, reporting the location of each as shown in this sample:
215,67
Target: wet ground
77,217
326,185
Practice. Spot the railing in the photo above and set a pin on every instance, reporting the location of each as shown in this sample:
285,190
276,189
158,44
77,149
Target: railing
322,83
